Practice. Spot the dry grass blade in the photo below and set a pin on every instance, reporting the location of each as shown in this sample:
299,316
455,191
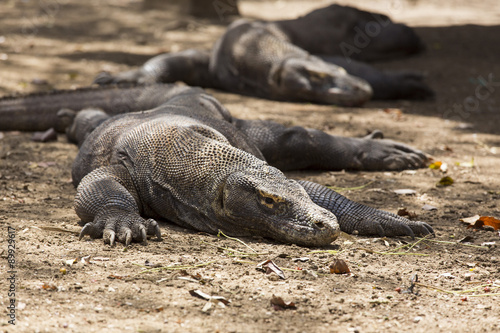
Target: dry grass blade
59,230
340,189
454,243
234,252
235,239
174,267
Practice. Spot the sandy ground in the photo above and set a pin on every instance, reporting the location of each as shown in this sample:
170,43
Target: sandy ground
63,44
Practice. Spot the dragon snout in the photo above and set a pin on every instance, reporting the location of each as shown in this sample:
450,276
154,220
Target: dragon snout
319,224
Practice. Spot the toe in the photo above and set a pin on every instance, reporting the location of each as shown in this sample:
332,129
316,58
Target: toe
109,237
86,230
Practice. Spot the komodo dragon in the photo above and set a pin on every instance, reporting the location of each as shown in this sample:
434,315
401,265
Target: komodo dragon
275,60
187,160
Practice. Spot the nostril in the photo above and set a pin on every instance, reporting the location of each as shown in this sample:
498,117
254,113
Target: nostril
320,225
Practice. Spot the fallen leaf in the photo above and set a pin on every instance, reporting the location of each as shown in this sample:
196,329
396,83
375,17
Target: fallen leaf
269,267
428,207
405,212
478,222
445,181
280,305
339,266
85,260
70,262
436,165
302,259
50,287
200,294
466,164
405,192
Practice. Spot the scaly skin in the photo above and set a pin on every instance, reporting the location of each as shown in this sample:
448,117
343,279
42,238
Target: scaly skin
206,173
295,60
187,160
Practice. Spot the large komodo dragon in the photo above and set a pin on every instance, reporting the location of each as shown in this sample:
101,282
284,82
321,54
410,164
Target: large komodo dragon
187,160
275,60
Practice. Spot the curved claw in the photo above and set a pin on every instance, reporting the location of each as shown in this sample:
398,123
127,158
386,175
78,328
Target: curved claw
128,237
153,229
429,229
109,237
86,230
424,229
158,232
143,236
408,231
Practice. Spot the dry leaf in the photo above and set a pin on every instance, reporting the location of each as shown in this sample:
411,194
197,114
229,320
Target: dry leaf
200,294
480,221
269,267
428,207
339,266
406,212
301,259
50,287
445,181
279,304
405,191
436,165
466,164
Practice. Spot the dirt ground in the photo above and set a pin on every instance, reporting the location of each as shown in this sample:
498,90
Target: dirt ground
63,44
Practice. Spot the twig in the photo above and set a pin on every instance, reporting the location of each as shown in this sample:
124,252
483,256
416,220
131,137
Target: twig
326,251
339,189
244,262
174,267
456,243
235,239
418,241
234,250
48,228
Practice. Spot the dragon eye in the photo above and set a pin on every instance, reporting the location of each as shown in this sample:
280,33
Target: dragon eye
269,201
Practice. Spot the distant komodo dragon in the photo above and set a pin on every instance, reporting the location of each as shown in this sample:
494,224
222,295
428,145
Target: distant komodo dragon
304,59
187,160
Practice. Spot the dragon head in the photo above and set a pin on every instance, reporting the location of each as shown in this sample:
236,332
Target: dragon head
264,202
314,80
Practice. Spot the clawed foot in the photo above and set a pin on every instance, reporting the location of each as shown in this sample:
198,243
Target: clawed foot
375,154
385,224
122,230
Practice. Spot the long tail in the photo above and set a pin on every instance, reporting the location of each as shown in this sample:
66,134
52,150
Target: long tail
38,111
